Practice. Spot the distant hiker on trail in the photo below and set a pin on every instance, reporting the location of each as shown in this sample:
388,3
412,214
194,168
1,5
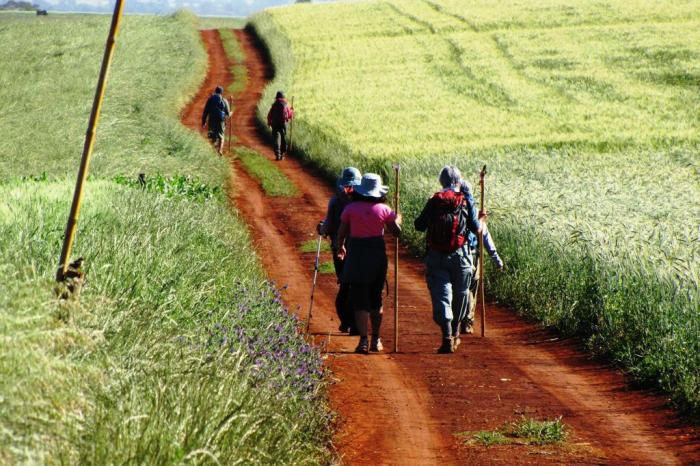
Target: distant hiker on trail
277,118
448,217
349,179
361,240
215,112
466,325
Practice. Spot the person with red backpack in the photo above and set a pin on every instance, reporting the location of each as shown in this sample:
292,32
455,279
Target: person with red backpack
448,218
278,116
215,112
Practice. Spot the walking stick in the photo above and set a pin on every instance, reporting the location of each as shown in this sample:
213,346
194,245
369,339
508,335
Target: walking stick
230,122
482,212
313,286
291,129
397,169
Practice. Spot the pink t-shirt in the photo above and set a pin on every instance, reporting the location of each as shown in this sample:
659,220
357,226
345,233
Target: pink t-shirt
367,219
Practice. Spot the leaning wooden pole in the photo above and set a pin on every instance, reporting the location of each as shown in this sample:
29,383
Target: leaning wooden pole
397,169
482,294
72,223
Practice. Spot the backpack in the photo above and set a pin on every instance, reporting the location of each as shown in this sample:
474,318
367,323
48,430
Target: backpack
278,113
218,109
447,222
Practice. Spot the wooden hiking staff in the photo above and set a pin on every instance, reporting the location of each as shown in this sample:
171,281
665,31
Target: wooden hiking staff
397,170
74,214
291,129
230,122
482,212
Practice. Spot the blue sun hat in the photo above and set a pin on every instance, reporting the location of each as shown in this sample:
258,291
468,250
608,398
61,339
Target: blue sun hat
371,186
350,177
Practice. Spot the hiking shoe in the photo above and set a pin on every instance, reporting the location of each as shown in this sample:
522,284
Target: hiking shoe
455,342
343,328
466,328
447,346
363,346
376,345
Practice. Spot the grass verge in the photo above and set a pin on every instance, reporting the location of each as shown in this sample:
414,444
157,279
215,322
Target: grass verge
271,178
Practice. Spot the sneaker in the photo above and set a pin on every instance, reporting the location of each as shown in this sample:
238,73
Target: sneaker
363,346
447,346
455,342
466,328
376,345
344,328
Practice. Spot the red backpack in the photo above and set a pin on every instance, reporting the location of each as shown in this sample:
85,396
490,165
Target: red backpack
446,222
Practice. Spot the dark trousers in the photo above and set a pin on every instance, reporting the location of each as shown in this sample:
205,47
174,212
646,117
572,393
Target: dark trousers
279,139
342,299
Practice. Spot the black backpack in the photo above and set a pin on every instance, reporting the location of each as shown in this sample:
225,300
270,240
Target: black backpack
217,111
277,113
447,223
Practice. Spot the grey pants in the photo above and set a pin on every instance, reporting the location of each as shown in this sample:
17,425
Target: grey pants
448,276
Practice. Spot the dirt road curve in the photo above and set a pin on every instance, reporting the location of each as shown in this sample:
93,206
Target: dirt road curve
406,408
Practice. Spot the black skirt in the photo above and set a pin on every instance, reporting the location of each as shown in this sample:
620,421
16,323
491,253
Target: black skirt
366,261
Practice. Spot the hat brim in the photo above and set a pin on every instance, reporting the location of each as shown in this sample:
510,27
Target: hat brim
376,192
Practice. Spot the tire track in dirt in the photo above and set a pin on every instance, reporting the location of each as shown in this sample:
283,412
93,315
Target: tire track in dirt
404,408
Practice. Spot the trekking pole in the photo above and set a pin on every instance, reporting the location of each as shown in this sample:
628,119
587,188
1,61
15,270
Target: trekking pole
397,169
313,285
291,129
482,175
74,214
230,122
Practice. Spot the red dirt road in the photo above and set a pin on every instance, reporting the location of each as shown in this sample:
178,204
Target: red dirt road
406,408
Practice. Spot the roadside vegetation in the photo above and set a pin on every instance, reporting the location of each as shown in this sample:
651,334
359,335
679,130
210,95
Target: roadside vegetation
524,431
586,116
178,349
273,181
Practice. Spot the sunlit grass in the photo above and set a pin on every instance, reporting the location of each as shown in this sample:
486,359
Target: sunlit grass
271,178
586,118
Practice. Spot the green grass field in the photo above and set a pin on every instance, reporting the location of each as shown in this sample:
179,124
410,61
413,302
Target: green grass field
587,117
179,350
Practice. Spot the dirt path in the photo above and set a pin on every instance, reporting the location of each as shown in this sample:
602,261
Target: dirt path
406,408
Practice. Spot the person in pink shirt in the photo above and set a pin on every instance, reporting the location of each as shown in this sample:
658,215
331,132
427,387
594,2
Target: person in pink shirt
361,243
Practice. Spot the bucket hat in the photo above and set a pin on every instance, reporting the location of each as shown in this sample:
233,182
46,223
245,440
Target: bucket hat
371,186
350,177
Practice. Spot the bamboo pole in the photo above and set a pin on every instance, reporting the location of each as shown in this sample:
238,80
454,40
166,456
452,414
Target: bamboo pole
397,169
74,214
482,213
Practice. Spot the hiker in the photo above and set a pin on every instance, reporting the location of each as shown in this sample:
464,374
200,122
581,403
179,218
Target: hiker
277,118
349,179
467,324
361,241
448,217
215,113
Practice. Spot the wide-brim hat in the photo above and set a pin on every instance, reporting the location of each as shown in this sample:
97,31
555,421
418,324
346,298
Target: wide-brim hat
351,176
371,186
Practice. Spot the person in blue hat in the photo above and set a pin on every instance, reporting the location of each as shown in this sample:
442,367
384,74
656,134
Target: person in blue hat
349,179
361,240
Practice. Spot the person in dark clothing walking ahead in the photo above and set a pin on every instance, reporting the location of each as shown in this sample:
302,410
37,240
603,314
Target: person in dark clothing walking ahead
277,118
215,113
348,181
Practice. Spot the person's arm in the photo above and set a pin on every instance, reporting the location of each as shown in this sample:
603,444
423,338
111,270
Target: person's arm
473,223
269,117
343,232
205,114
393,221
421,222
228,108
288,113
327,225
490,247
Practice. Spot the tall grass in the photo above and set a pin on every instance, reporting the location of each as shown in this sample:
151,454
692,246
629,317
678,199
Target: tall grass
585,117
179,350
